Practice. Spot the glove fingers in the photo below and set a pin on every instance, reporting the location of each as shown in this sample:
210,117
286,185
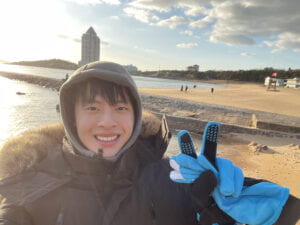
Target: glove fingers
185,161
179,172
182,178
231,178
186,144
209,141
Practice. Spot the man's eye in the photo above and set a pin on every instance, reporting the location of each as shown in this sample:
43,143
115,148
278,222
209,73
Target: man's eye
122,108
91,108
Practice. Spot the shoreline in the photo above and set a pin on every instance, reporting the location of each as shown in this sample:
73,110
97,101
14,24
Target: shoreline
180,106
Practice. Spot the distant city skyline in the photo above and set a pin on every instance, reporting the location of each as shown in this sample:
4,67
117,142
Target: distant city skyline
156,34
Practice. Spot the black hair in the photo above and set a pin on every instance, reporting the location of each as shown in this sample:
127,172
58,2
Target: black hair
111,92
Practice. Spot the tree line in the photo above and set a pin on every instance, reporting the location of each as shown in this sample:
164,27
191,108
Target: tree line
239,75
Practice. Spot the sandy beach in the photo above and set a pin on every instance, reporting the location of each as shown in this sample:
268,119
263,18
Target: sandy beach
274,159
241,95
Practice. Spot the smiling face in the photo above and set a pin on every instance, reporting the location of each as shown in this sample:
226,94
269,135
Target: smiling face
104,125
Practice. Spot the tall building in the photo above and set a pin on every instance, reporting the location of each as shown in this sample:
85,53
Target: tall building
90,47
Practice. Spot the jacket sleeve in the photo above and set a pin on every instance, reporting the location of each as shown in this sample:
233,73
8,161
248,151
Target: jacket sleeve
14,215
290,213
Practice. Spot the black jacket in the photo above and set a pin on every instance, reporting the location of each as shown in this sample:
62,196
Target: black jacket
59,187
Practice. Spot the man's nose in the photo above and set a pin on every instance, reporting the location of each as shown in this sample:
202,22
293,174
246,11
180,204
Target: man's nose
107,118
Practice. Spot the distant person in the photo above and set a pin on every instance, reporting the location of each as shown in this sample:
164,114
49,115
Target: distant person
104,165
181,89
66,77
212,90
186,88
57,108
195,85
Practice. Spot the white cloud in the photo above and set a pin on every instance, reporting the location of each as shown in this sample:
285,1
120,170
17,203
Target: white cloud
187,32
172,22
233,22
195,11
105,43
112,2
156,5
241,22
167,5
231,38
95,2
115,17
140,14
186,45
63,36
285,41
202,22
147,50
248,54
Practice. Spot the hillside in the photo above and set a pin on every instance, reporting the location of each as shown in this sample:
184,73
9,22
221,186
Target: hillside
51,63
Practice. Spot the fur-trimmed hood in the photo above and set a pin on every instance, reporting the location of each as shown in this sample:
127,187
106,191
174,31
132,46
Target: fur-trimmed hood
27,149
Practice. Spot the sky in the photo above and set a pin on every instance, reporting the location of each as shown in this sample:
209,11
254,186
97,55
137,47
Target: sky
156,34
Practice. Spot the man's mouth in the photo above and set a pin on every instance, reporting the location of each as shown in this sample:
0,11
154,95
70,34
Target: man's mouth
107,139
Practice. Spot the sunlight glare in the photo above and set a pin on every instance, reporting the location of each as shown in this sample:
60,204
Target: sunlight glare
34,27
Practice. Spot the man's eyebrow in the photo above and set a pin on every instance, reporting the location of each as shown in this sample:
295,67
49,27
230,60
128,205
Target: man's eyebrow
91,102
122,101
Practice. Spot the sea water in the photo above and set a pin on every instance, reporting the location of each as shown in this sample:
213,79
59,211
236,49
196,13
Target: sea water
142,82
24,106
32,107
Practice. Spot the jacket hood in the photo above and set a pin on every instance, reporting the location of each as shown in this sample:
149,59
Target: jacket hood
106,71
29,148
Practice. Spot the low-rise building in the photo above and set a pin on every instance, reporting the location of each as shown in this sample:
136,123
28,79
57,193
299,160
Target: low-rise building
295,82
130,68
193,68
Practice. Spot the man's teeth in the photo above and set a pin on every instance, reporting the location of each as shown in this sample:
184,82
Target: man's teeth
100,138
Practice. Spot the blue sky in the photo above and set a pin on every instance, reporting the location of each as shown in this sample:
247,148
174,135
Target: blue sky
156,34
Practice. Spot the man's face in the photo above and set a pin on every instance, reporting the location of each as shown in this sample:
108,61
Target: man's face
103,126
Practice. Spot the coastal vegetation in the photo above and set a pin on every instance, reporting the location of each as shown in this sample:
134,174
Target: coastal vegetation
239,75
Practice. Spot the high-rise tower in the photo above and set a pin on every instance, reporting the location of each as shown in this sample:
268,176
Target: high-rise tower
90,47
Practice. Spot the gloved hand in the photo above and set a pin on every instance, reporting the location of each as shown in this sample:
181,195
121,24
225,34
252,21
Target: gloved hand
187,166
257,204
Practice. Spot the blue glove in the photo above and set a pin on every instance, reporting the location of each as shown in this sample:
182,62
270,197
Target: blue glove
187,166
259,204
